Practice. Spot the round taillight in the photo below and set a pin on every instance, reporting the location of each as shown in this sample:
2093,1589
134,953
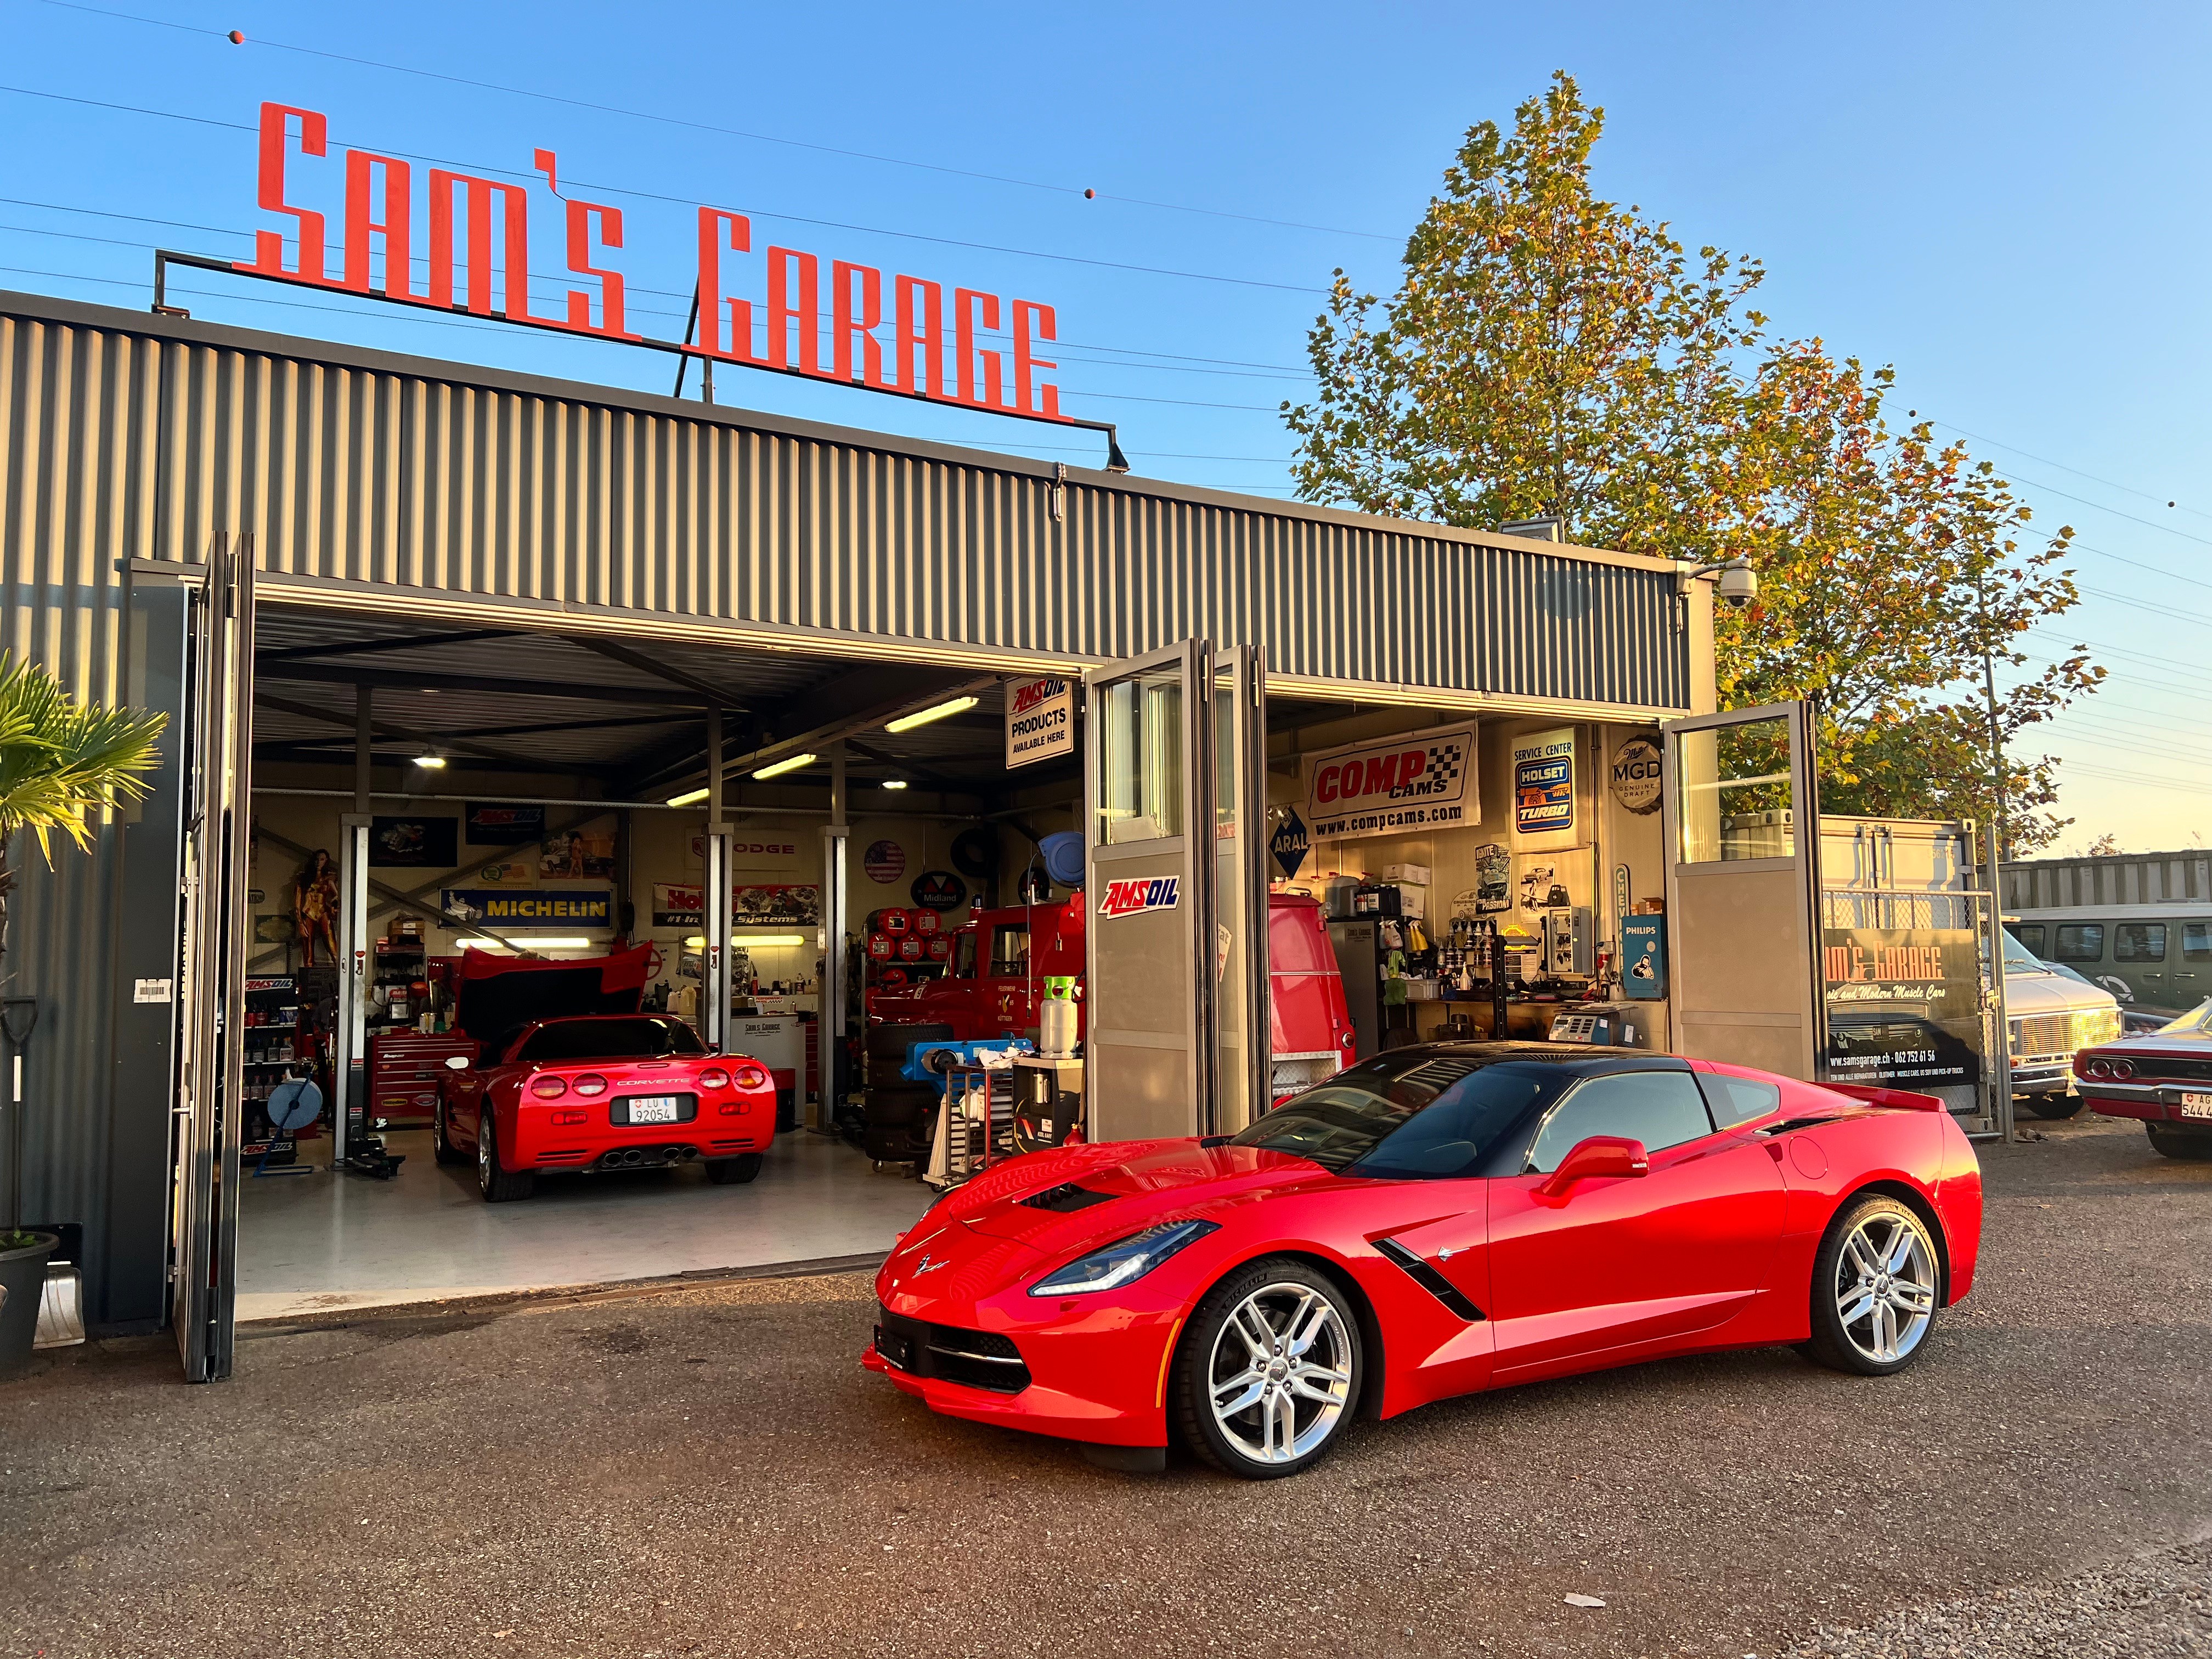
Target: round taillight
714,1078
548,1088
751,1077
590,1084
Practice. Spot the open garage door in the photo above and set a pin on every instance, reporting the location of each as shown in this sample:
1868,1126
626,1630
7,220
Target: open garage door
1742,815
218,761
1174,813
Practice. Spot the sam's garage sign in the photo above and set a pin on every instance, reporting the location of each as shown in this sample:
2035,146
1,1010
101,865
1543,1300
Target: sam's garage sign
1139,893
1389,785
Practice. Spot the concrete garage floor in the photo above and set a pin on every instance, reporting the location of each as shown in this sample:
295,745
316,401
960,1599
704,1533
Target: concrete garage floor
313,1243
704,1469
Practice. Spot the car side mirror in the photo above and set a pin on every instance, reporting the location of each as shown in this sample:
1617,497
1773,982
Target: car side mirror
457,1062
1600,1155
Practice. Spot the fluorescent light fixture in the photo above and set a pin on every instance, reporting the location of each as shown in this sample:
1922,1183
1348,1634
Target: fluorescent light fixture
697,942
768,939
432,761
937,712
788,763
689,797
527,944
893,783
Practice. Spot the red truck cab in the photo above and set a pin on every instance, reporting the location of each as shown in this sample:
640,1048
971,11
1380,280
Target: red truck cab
993,983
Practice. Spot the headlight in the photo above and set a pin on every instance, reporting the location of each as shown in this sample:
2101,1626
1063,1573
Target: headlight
1118,1264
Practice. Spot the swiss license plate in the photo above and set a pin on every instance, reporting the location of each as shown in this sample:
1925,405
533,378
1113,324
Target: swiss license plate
2194,1105
654,1109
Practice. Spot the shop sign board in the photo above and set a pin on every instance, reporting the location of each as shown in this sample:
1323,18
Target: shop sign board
1138,894
684,904
495,906
833,320
1289,843
1904,1005
939,891
1635,773
577,855
1544,786
1040,719
414,843
1644,957
1394,785
752,852
508,872
491,823
885,861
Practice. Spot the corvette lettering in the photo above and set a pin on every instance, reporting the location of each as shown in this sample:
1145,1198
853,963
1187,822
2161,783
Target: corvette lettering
1135,897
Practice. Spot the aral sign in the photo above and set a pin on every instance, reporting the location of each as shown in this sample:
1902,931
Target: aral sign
900,334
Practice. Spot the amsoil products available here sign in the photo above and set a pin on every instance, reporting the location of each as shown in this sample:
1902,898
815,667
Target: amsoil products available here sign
496,907
1040,719
1388,786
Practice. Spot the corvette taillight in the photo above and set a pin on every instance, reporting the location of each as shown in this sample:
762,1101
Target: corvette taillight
548,1088
714,1078
590,1084
751,1077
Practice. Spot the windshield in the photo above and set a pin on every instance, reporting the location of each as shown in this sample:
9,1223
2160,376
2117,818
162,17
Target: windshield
611,1039
2019,959
2197,1020
1411,1115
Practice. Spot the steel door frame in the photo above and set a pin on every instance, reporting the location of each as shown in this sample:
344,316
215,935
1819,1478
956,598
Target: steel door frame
1243,907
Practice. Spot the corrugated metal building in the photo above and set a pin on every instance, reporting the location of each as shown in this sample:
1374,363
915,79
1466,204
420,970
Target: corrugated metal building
433,489
2100,883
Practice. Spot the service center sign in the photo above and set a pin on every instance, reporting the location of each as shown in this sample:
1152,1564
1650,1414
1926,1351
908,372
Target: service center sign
1040,719
1392,786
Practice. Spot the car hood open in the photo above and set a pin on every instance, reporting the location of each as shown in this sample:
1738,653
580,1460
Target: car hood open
496,996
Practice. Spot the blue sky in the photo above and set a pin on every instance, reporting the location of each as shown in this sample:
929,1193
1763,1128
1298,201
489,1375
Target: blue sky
2006,202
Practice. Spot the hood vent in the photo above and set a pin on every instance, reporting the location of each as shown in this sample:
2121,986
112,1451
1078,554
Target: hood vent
1065,1199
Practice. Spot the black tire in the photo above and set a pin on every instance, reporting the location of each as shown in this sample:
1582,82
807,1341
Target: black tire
1832,1343
889,1075
895,1108
440,1148
498,1186
2051,1108
2192,1145
891,1042
734,1171
1210,1339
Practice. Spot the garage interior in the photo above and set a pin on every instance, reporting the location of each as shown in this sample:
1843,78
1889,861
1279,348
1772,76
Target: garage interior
436,721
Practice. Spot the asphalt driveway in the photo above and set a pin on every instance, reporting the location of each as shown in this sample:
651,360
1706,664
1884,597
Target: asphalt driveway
706,1470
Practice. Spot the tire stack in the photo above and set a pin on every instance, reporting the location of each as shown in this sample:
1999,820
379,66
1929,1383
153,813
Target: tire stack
902,1114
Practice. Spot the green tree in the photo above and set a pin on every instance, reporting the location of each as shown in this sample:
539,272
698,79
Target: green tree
60,762
1549,352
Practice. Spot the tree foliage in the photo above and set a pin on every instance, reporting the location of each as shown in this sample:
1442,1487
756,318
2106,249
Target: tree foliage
1548,352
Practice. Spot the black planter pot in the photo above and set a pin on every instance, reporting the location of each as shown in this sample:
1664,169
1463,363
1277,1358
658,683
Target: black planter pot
23,1280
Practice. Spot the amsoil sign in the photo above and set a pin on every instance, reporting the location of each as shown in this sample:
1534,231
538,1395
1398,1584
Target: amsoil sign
1135,897
1040,719
833,320
1389,785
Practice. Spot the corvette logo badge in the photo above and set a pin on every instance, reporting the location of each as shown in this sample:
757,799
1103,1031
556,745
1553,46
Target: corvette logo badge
928,1266
1133,897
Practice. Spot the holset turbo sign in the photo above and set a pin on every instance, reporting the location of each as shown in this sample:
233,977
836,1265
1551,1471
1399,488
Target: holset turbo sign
1389,785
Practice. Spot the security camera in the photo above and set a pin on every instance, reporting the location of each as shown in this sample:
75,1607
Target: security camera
1739,583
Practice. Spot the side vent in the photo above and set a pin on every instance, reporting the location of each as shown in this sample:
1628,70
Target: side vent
1065,1199
1429,1279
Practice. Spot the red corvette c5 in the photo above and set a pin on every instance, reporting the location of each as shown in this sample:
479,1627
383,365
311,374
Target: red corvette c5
597,1085
1435,1221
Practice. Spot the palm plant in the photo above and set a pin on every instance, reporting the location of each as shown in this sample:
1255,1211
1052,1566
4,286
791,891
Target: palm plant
61,761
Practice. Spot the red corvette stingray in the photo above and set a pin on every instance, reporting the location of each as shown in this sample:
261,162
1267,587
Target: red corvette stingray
1437,1220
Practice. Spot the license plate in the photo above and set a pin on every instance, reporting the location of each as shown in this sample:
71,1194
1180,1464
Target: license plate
894,1348
2196,1105
654,1109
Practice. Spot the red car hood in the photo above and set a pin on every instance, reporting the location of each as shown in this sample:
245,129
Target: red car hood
1117,1189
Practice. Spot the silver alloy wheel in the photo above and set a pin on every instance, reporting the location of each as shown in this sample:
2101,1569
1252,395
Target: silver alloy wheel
1885,1287
1279,1376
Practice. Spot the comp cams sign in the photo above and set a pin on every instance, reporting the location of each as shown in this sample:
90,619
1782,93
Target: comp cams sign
1389,785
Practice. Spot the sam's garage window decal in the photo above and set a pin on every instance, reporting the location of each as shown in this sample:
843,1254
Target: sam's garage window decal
1388,786
1139,893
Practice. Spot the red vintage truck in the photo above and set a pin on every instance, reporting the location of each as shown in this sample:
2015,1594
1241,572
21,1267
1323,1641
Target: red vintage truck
993,983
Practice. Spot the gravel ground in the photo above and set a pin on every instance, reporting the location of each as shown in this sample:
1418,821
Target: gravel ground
705,1470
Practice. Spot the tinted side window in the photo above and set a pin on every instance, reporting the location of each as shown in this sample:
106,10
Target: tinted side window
1660,1109
1738,1099
2029,934
2082,941
963,955
2196,941
2139,941
1010,953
